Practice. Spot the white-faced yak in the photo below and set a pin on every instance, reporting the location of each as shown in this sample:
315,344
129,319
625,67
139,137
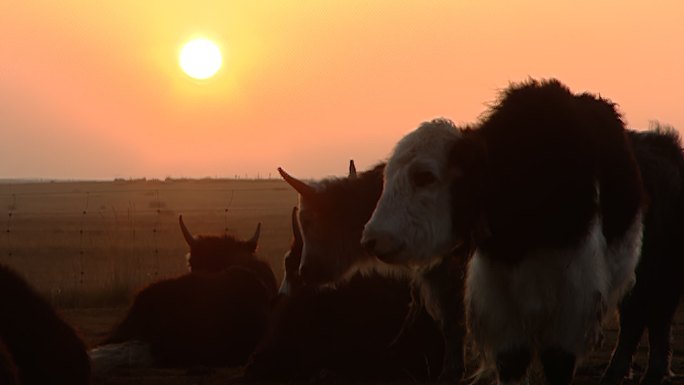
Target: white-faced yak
547,189
332,213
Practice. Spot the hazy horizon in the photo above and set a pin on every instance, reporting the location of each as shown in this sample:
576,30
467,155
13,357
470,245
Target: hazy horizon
93,91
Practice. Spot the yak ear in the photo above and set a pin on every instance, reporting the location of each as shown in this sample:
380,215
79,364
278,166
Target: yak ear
299,186
352,169
255,238
296,232
189,238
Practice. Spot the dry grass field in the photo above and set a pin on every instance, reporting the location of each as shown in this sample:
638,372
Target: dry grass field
88,246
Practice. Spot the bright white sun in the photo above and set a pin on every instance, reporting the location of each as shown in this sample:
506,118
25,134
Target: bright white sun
200,59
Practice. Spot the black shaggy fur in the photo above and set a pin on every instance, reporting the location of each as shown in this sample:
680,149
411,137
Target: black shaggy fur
344,205
346,332
337,213
200,318
540,167
538,154
652,302
44,349
214,253
214,315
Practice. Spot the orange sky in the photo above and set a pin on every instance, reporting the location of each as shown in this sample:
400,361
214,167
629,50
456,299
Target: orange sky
93,90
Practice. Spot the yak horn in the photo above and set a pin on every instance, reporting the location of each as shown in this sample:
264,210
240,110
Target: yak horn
295,227
352,169
255,237
189,238
301,187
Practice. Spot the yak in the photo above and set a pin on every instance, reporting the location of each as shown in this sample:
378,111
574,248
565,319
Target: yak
36,345
331,216
350,331
292,281
212,253
214,315
652,302
547,190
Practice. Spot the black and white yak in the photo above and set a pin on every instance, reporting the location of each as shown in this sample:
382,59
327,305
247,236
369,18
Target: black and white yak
36,346
548,191
215,315
349,332
332,213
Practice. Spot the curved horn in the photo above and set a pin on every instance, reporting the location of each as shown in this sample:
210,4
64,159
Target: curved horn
255,237
295,227
352,169
189,238
301,187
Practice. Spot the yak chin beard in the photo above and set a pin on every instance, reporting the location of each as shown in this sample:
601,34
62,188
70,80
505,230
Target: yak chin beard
424,258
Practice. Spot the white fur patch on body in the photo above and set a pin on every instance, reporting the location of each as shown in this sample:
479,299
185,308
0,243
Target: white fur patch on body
556,298
130,354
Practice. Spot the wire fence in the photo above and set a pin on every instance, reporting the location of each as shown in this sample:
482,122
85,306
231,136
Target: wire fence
94,243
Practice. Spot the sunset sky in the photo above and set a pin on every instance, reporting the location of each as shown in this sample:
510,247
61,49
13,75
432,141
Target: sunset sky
93,90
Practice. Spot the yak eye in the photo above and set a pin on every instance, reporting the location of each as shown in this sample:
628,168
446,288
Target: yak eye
423,178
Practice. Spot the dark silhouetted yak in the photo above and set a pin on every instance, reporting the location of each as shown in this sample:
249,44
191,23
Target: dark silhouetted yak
652,302
350,331
332,214
36,346
214,315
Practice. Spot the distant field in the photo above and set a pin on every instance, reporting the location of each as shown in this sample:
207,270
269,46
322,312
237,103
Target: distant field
94,243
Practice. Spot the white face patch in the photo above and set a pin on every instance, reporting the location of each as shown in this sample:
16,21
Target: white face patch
412,222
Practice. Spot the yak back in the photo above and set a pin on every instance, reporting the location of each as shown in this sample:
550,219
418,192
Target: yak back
200,318
554,160
347,332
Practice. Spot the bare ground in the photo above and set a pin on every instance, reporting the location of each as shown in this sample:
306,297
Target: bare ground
94,323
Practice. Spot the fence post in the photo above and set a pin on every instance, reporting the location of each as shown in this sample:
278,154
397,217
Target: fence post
10,216
81,234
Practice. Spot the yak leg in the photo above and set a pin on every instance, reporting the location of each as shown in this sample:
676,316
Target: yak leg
511,365
632,324
660,342
559,366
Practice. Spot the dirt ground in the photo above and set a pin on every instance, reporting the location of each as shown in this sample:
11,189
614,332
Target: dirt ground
94,323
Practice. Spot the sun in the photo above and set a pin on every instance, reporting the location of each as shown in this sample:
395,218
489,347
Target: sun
200,59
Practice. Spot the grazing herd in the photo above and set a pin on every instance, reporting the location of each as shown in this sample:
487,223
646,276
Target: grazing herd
474,253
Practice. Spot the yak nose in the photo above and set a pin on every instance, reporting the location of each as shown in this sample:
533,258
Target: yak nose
380,243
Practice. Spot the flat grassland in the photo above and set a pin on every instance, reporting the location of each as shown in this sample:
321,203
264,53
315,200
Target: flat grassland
89,246
85,244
